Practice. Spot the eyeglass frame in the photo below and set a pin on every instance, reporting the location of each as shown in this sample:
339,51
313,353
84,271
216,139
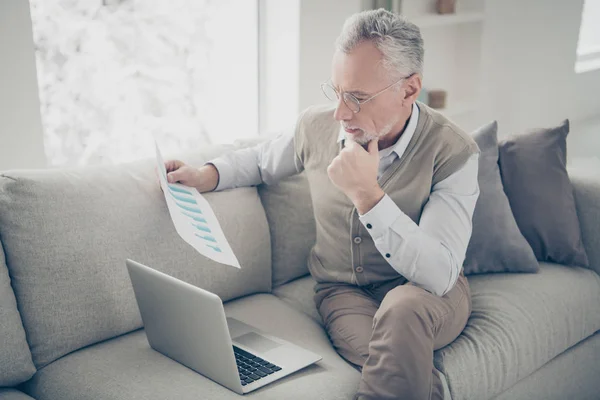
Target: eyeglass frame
353,97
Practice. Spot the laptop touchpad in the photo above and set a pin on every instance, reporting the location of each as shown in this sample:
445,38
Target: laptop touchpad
257,342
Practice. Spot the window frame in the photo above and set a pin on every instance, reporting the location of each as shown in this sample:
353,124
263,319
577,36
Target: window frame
588,57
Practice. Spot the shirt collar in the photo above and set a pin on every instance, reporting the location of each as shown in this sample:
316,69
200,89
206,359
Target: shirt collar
401,144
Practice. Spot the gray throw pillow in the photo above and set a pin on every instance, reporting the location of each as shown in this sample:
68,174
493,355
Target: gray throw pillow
496,243
535,178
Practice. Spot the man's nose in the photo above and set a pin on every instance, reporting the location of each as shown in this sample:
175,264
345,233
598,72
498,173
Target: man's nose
342,112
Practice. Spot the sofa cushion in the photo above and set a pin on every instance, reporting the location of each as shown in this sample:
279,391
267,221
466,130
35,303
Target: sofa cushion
289,210
586,186
67,234
291,219
519,322
299,294
16,365
13,394
496,244
127,368
535,178
571,375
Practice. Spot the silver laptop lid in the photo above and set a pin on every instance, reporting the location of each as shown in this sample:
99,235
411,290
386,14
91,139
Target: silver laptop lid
185,323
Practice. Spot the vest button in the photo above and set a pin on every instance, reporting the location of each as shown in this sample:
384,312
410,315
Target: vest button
357,240
359,269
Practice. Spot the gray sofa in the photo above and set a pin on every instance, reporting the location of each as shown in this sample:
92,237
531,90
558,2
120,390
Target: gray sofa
71,329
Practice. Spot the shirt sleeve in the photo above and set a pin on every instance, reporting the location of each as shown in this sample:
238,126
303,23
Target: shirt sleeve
267,162
431,253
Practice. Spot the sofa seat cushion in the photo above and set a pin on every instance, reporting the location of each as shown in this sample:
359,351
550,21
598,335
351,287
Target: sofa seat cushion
13,394
299,293
573,374
127,368
519,322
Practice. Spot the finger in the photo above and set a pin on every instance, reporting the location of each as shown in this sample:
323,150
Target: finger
351,144
335,162
373,146
352,148
172,165
173,177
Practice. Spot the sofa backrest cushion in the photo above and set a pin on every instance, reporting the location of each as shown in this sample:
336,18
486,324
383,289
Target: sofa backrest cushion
586,187
16,365
289,210
291,219
67,234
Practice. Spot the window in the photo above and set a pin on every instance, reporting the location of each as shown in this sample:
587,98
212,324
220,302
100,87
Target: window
588,47
114,74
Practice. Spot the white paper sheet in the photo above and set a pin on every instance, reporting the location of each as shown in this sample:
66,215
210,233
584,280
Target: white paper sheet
194,219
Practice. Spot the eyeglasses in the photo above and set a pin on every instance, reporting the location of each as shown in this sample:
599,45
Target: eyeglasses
349,99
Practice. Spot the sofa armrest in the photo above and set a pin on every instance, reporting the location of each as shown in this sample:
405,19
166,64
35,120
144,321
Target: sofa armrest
586,185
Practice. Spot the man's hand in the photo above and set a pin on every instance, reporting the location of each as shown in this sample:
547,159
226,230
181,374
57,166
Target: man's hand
354,172
205,178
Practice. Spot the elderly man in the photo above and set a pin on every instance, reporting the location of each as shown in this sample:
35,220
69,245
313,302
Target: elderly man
394,186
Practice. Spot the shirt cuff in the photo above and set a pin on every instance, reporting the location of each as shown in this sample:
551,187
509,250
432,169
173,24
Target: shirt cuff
379,219
226,175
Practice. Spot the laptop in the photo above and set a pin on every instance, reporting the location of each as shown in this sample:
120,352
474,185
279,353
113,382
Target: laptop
188,325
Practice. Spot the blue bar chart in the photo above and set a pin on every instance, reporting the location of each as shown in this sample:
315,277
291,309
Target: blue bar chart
185,199
194,219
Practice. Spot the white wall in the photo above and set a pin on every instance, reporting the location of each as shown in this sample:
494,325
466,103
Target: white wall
528,65
528,59
21,143
320,23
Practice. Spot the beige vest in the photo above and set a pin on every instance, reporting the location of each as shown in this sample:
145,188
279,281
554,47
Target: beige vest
437,149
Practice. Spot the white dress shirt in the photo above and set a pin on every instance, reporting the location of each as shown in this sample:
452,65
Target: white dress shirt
429,254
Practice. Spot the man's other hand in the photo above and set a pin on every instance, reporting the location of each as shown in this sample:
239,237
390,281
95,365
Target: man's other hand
354,172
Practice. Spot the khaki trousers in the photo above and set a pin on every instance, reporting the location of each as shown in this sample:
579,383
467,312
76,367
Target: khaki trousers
390,331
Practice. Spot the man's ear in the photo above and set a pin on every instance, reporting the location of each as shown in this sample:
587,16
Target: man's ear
412,88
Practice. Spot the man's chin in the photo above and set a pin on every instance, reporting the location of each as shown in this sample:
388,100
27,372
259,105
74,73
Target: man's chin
363,139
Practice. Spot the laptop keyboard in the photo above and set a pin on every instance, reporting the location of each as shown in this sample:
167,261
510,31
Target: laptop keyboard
252,368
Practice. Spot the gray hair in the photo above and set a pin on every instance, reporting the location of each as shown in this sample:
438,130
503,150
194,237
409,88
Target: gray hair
399,40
